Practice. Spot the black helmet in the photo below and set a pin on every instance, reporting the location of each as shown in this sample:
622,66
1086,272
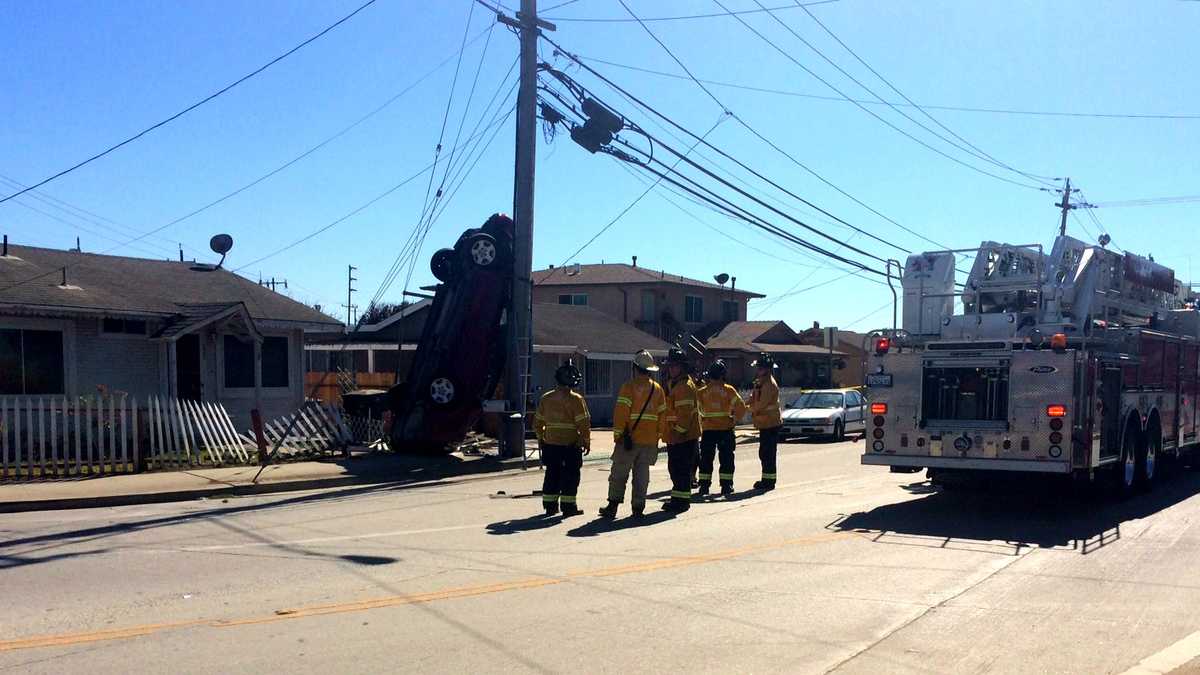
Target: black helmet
764,360
717,370
568,375
676,355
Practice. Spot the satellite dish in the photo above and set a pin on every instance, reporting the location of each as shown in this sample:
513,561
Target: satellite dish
721,278
221,244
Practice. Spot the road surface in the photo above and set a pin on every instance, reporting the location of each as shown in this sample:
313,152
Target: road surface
842,569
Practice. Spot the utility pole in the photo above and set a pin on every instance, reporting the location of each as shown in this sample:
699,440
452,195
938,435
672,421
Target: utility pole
350,279
1066,206
520,317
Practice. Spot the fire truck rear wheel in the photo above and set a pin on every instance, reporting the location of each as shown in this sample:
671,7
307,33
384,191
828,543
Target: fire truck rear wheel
1125,471
1149,454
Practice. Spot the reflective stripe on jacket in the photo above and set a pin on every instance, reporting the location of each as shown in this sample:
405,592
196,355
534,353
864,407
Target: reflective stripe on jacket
562,419
721,407
683,415
630,400
764,403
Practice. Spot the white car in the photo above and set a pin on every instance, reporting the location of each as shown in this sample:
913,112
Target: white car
825,412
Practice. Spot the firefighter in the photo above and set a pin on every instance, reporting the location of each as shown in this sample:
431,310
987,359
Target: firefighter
563,426
637,418
720,409
681,431
764,412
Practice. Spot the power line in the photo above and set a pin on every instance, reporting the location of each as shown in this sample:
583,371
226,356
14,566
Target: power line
870,112
193,106
981,153
1152,201
713,15
868,315
761,137
927,106
558,6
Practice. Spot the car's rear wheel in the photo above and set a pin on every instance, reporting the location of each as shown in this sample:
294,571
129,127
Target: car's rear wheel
442,390
839,432
483,250
442,264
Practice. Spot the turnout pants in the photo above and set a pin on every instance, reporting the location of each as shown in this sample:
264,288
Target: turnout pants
768,446
561,482
638,461
681,458
716,443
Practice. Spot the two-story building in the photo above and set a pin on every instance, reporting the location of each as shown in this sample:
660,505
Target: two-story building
661,304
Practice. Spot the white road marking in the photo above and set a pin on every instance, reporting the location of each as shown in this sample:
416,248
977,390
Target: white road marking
1170,658
347,537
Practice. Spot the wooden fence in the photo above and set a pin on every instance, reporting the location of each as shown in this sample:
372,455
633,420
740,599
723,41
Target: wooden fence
317,428
327,387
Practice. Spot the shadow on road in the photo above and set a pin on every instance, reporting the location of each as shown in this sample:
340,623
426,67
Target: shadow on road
1010,519
601,525
538,522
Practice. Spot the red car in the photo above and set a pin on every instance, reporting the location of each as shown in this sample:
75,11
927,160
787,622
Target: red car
460,357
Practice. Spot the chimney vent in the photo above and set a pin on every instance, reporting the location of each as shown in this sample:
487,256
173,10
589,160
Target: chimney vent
634,259
5,253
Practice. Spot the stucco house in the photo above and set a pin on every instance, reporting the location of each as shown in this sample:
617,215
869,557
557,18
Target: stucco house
74,324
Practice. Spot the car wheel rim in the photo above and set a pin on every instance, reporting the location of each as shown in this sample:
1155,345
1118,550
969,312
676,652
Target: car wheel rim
441,390
483,252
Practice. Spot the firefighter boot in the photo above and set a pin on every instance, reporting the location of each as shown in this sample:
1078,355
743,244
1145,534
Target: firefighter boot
703,488
726,489
570,509
610,511
764,485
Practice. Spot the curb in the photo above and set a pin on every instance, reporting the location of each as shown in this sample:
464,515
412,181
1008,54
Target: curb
137,499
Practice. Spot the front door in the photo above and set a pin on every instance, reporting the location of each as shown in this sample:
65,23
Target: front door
187,368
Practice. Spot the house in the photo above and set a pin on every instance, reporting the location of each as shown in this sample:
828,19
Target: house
800,365
850,343
75,324
663,305
601,347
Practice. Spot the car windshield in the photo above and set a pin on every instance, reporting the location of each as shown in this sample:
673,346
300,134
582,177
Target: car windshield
818,400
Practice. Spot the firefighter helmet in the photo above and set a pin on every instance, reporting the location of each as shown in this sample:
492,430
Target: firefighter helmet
717,370
676,355
645,362
568,375
764,360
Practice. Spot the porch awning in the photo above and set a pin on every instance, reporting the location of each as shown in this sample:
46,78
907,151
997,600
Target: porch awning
233,316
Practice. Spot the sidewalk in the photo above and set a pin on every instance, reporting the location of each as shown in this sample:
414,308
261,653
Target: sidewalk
173,486
361,469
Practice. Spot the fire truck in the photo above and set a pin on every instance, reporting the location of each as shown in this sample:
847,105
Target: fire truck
1083,362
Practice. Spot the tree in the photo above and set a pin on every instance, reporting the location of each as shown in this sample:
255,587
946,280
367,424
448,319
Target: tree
377,312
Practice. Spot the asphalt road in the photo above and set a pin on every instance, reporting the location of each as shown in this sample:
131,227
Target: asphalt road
842,569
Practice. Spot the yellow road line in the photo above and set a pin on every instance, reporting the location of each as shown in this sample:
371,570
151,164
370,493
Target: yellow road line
67,639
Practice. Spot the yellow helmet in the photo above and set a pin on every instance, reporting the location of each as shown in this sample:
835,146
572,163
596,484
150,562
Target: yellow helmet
644,361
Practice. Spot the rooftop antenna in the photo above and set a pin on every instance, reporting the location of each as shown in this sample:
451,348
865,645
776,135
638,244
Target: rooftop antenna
221,244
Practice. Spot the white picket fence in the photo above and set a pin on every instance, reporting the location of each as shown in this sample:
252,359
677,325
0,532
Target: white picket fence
56,437
318,429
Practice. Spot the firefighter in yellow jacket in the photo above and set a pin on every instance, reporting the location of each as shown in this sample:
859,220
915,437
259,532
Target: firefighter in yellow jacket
720,409
764,412
681,431
637,419
564,428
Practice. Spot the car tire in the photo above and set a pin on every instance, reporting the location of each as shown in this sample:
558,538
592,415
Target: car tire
442,264
839,432
482,250
442,390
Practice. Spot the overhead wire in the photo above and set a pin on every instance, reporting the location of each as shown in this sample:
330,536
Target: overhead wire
927,106
786,54
651,19
191,107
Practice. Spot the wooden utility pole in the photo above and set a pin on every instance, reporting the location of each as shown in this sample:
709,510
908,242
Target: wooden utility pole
519,338
1065,205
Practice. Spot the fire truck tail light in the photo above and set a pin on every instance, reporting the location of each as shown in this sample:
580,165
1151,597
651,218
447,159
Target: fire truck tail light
1056,410
878,408
883,345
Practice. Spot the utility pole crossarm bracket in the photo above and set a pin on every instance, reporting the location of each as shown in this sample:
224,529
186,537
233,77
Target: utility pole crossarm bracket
519,22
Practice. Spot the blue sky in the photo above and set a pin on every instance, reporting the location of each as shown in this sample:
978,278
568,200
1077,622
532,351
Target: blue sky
79,76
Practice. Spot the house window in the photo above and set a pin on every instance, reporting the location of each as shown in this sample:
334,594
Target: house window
31,362
239,363
647,305
729,310
275,362
693,309
123,327
598,380
578,299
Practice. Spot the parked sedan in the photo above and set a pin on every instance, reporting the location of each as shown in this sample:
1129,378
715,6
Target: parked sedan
461,353
831,413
